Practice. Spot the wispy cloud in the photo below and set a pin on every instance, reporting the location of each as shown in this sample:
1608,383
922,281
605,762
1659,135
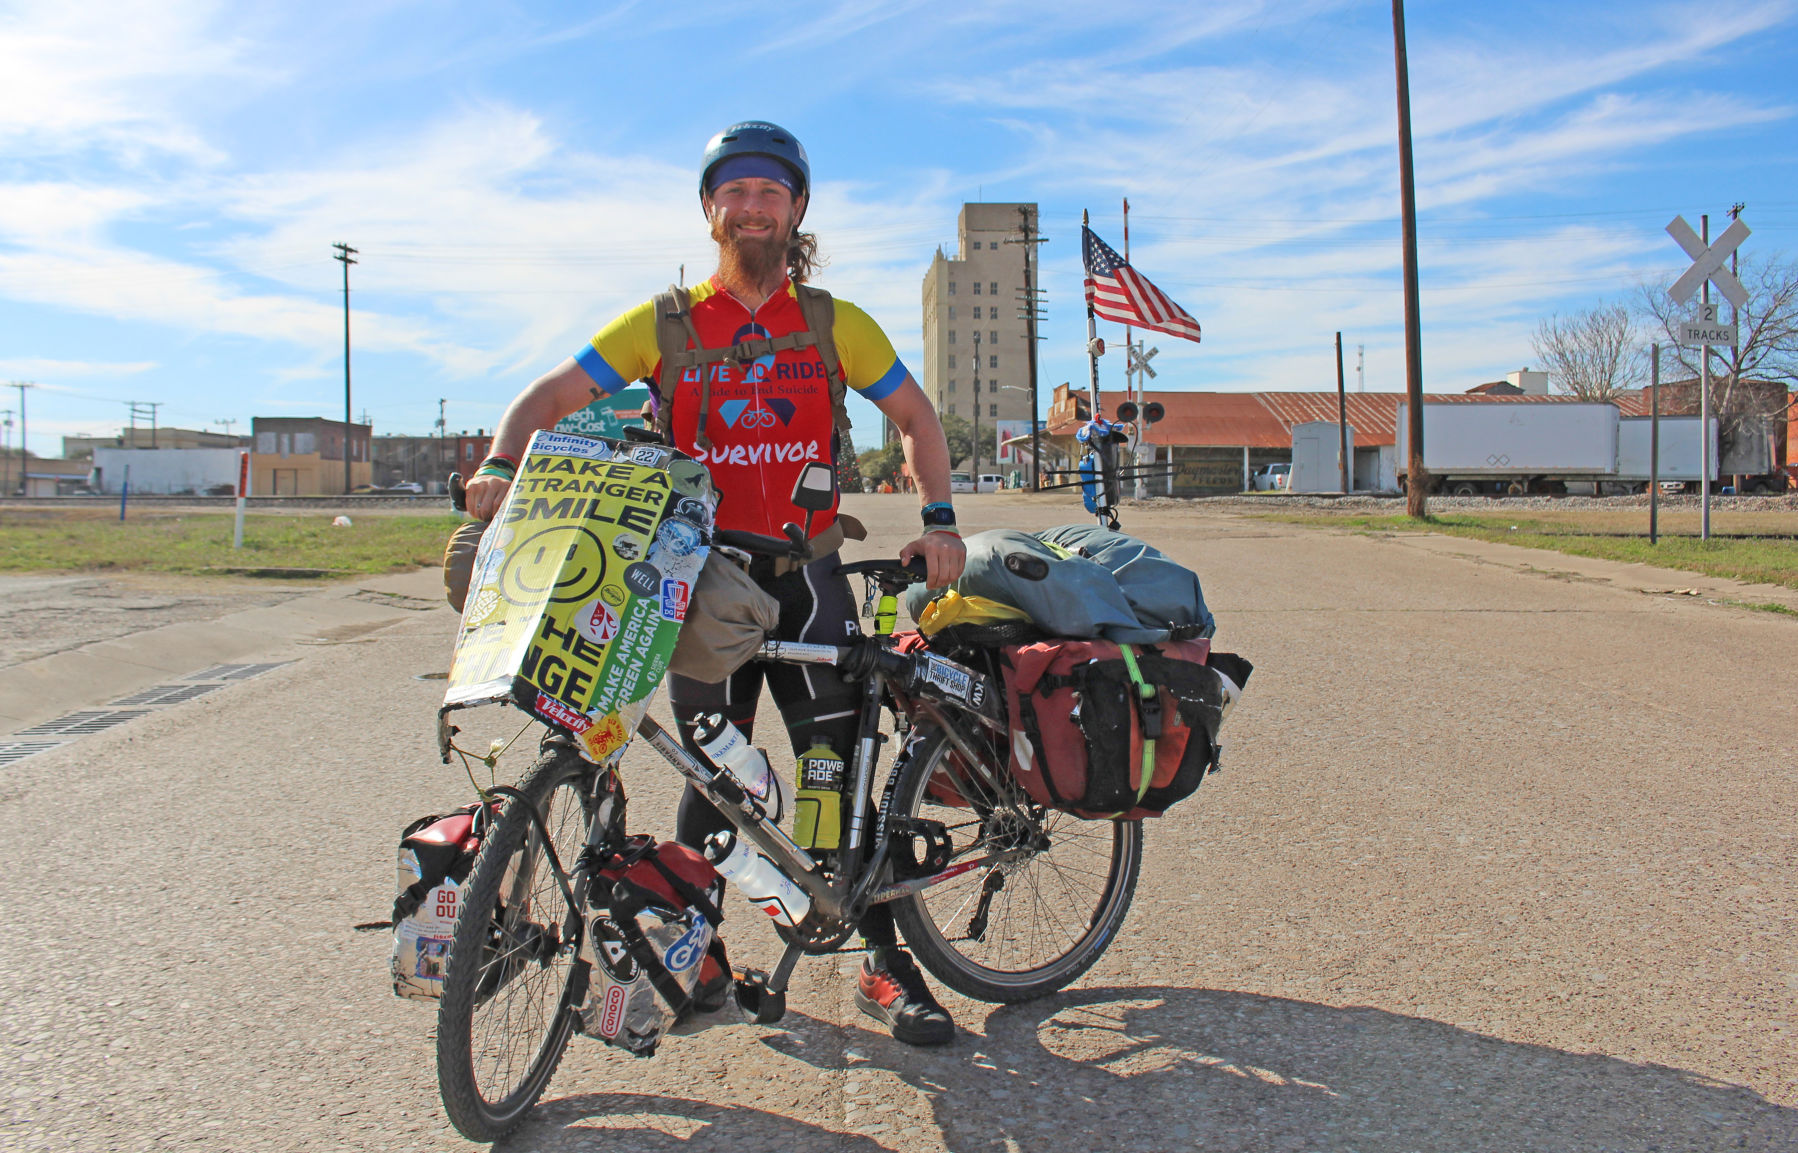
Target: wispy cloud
39,368
111,75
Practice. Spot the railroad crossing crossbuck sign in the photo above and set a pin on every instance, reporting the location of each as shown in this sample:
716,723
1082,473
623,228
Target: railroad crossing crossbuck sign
1708,264
1139,360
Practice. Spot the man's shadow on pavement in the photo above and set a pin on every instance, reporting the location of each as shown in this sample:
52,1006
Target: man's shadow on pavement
1142,1070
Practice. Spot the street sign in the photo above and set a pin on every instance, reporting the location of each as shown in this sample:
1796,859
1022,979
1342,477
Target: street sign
1693,333
1707,263
1139,360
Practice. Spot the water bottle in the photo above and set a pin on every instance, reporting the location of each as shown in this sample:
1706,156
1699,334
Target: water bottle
725,746
756,877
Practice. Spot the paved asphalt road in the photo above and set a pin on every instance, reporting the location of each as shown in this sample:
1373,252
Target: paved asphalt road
1502,859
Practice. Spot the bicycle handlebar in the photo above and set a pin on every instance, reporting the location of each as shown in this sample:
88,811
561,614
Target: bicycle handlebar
915,568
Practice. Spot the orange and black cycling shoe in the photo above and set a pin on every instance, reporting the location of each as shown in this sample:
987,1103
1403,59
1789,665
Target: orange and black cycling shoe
895,993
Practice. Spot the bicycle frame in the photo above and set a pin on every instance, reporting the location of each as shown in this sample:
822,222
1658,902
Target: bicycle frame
851,893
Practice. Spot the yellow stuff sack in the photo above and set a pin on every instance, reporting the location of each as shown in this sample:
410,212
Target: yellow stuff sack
952,608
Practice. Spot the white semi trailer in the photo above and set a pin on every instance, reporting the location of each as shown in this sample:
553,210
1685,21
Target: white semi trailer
1511,448
1496,447
1679,451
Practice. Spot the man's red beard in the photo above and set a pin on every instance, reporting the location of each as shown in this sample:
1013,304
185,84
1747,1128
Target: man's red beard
754,260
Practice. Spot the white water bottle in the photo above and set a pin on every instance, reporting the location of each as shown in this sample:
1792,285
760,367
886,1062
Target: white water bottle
726,746
758,878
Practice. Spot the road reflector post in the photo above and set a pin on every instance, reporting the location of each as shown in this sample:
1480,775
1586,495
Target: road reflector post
243,490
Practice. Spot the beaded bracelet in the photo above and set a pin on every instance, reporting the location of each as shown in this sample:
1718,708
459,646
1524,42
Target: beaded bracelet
503,467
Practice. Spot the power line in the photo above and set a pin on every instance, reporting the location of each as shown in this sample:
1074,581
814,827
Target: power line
143,410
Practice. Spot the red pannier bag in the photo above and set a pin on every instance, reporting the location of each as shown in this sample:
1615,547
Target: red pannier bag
1121,732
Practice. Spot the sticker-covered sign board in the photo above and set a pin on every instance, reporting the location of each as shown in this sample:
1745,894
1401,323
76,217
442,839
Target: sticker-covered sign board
581,585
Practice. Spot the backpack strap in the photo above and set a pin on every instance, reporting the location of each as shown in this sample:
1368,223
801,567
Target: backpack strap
677,341
680,347
820,313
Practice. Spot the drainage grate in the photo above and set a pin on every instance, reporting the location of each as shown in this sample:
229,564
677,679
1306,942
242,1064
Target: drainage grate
166,695
140,703
235,672
11,751
82,723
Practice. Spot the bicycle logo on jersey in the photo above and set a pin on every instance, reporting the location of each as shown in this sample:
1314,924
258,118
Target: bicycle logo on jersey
766,414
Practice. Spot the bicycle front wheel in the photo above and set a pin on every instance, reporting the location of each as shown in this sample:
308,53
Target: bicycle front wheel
513,976
1027,925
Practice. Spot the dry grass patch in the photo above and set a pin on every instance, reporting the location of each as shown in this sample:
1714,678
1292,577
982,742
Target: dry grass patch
91,540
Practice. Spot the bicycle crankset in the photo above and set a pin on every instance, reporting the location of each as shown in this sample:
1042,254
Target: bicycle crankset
918,847
815,938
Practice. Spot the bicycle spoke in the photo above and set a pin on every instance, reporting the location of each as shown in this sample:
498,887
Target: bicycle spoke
1066,886
503,1027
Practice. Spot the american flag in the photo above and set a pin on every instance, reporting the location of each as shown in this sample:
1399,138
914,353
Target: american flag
1118,292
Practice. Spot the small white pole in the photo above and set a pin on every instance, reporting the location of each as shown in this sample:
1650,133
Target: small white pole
243,490
1704,402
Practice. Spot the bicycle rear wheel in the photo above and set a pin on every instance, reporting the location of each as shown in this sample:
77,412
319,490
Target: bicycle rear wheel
514,978
1026,926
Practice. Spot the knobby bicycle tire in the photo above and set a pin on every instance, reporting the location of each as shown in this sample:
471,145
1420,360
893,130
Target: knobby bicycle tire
513,973
1050,913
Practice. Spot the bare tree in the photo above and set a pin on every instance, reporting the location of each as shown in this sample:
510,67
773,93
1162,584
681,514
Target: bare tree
1768,328
1593,354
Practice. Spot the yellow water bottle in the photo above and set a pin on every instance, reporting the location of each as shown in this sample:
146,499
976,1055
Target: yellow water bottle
818,807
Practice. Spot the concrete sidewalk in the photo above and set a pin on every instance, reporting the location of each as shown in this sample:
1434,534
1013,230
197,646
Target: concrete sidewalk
97,673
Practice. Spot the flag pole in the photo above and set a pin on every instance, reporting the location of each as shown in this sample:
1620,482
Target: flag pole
1092,328
1129,382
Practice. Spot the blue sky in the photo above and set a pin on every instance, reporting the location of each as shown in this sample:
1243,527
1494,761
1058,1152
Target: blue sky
172,177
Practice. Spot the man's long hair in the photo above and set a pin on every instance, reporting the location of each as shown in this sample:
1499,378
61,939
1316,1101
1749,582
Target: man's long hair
802,256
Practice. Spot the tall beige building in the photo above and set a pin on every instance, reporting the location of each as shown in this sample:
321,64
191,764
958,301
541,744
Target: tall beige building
974,344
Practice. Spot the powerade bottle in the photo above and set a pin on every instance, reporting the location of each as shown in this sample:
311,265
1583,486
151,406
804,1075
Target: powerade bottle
818,804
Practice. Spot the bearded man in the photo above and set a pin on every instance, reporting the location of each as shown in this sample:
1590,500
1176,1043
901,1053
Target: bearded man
755,426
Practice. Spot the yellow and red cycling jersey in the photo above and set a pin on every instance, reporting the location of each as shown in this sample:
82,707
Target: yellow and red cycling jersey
767,418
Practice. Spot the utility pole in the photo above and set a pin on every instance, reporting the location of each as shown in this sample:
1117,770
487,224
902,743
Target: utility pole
976,410
6,460
442,465
1416,483
1735,320
24,441
1360,368
143,410
346,255
1342,451
1032,314
227,422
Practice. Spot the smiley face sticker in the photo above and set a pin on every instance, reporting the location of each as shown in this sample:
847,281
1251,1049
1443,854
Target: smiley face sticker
565,564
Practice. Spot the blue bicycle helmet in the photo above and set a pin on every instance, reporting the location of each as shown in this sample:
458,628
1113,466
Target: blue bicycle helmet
757,138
